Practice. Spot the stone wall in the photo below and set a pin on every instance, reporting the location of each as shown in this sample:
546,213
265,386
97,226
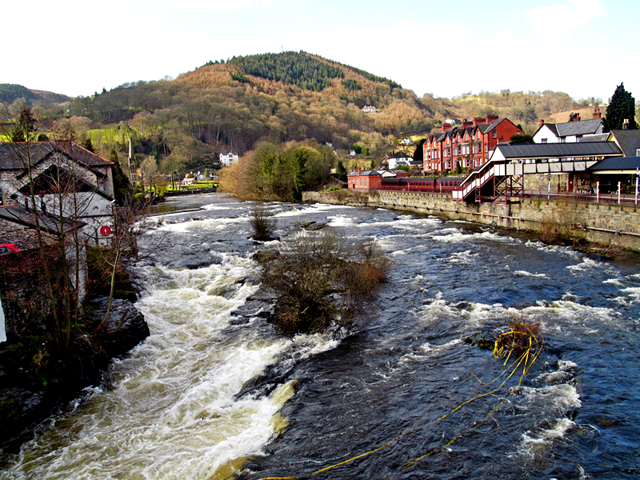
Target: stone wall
600,223
25,304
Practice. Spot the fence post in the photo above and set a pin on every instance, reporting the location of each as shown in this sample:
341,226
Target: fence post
619,191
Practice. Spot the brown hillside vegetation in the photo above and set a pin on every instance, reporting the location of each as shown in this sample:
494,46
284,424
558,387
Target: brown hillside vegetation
185,123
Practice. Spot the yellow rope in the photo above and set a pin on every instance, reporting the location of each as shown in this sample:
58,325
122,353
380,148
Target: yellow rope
496,352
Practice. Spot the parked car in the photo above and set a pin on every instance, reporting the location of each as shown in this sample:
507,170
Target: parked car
8,248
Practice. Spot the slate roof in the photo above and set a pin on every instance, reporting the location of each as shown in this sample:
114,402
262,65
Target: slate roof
621,164
568,129
550,126
487,127
601,137
365,173
629,141
583,127
566,150
398,155
19,214
10,154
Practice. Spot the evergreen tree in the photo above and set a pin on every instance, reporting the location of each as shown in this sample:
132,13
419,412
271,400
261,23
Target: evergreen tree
25,126
89,146
521,138
418,153
341,172
121,185
621,108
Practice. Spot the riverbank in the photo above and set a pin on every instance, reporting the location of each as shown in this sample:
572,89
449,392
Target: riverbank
36,378
611,226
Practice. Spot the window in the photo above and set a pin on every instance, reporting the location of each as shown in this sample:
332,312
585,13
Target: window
495,134
543,140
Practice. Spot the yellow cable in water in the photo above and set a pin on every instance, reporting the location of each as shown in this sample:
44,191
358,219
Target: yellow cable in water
517,363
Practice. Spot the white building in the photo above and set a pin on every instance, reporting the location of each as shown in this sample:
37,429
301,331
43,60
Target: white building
569,132
394,160
226,159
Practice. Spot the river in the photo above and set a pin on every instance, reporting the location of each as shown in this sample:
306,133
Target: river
214,391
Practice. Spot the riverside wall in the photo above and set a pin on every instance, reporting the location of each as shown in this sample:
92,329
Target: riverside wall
615,225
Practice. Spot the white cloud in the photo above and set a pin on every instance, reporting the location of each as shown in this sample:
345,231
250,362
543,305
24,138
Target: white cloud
559,20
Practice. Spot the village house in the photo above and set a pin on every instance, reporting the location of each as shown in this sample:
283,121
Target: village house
468,145
189,179
395,159
572,131
68,181
226,159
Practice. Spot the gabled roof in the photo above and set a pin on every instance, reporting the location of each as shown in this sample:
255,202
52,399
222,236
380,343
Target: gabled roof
628,140
12,154
568,129
20,215
398,155
583,127
550,126
559,150
365,173
487,127
617,165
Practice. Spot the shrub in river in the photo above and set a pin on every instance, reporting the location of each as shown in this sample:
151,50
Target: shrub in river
262,223
319,279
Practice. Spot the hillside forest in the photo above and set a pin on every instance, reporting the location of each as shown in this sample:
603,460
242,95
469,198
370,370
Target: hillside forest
297,104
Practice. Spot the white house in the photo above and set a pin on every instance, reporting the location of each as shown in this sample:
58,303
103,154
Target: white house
369,109
394,160
226,159
569,132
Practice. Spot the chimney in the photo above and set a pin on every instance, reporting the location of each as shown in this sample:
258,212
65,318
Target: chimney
466,123
597,114
491,118
541,121
445,126
574,117
359,170
625,124
479,121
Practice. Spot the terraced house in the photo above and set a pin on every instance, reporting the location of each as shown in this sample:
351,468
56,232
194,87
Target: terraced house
468,145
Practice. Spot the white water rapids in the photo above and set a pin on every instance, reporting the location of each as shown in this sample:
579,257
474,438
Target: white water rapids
171,411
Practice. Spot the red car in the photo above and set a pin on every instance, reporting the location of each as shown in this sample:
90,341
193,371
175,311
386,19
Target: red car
8,247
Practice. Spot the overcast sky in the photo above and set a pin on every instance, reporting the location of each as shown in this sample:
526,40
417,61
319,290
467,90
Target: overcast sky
582,47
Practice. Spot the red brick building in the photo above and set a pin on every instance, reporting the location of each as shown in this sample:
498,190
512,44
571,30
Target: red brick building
365,180
467,145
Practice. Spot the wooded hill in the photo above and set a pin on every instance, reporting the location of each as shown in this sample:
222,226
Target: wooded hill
10,92
290,96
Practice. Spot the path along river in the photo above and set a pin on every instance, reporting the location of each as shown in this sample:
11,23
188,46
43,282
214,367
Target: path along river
215,390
